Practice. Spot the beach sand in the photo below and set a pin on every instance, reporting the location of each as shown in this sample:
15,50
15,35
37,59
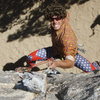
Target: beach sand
81,18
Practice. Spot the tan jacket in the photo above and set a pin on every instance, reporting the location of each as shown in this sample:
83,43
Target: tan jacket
64,41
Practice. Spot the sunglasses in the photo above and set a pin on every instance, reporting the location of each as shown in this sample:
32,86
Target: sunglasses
56,18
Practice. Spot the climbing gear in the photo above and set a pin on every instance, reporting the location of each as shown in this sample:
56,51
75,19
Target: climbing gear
28,69
23,69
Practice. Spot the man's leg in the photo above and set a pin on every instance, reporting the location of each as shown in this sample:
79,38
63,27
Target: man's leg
39,55
85,65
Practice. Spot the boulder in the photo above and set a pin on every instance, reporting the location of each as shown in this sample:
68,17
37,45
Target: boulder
64,86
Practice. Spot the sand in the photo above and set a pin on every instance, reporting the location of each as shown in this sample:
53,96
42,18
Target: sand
81,18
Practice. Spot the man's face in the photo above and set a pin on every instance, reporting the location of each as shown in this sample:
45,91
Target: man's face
56,22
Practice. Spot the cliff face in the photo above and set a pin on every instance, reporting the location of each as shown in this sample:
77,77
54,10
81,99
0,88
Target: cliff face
59,87
77,87
84,18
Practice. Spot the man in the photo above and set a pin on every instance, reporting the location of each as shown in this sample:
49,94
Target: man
64,44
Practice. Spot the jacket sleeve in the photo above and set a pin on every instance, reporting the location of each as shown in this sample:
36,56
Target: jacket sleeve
71,47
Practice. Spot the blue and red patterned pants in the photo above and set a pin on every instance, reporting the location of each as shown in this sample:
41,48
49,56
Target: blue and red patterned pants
46,53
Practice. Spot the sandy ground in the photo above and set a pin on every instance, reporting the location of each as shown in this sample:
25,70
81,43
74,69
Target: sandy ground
81,18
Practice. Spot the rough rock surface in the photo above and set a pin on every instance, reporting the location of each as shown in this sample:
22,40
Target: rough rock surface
82,17
83,86
7,91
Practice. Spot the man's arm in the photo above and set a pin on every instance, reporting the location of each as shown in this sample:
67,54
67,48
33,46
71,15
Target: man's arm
61,63
70,53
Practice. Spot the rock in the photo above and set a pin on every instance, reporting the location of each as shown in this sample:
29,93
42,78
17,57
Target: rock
78,87
7,91
9,77
65,86
34,82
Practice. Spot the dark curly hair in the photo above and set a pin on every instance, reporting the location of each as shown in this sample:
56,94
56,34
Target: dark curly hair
55,9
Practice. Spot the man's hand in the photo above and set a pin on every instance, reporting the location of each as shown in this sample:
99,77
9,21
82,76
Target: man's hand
52,63
61,63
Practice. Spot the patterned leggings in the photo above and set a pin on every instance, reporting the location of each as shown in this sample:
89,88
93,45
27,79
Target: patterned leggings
46,53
